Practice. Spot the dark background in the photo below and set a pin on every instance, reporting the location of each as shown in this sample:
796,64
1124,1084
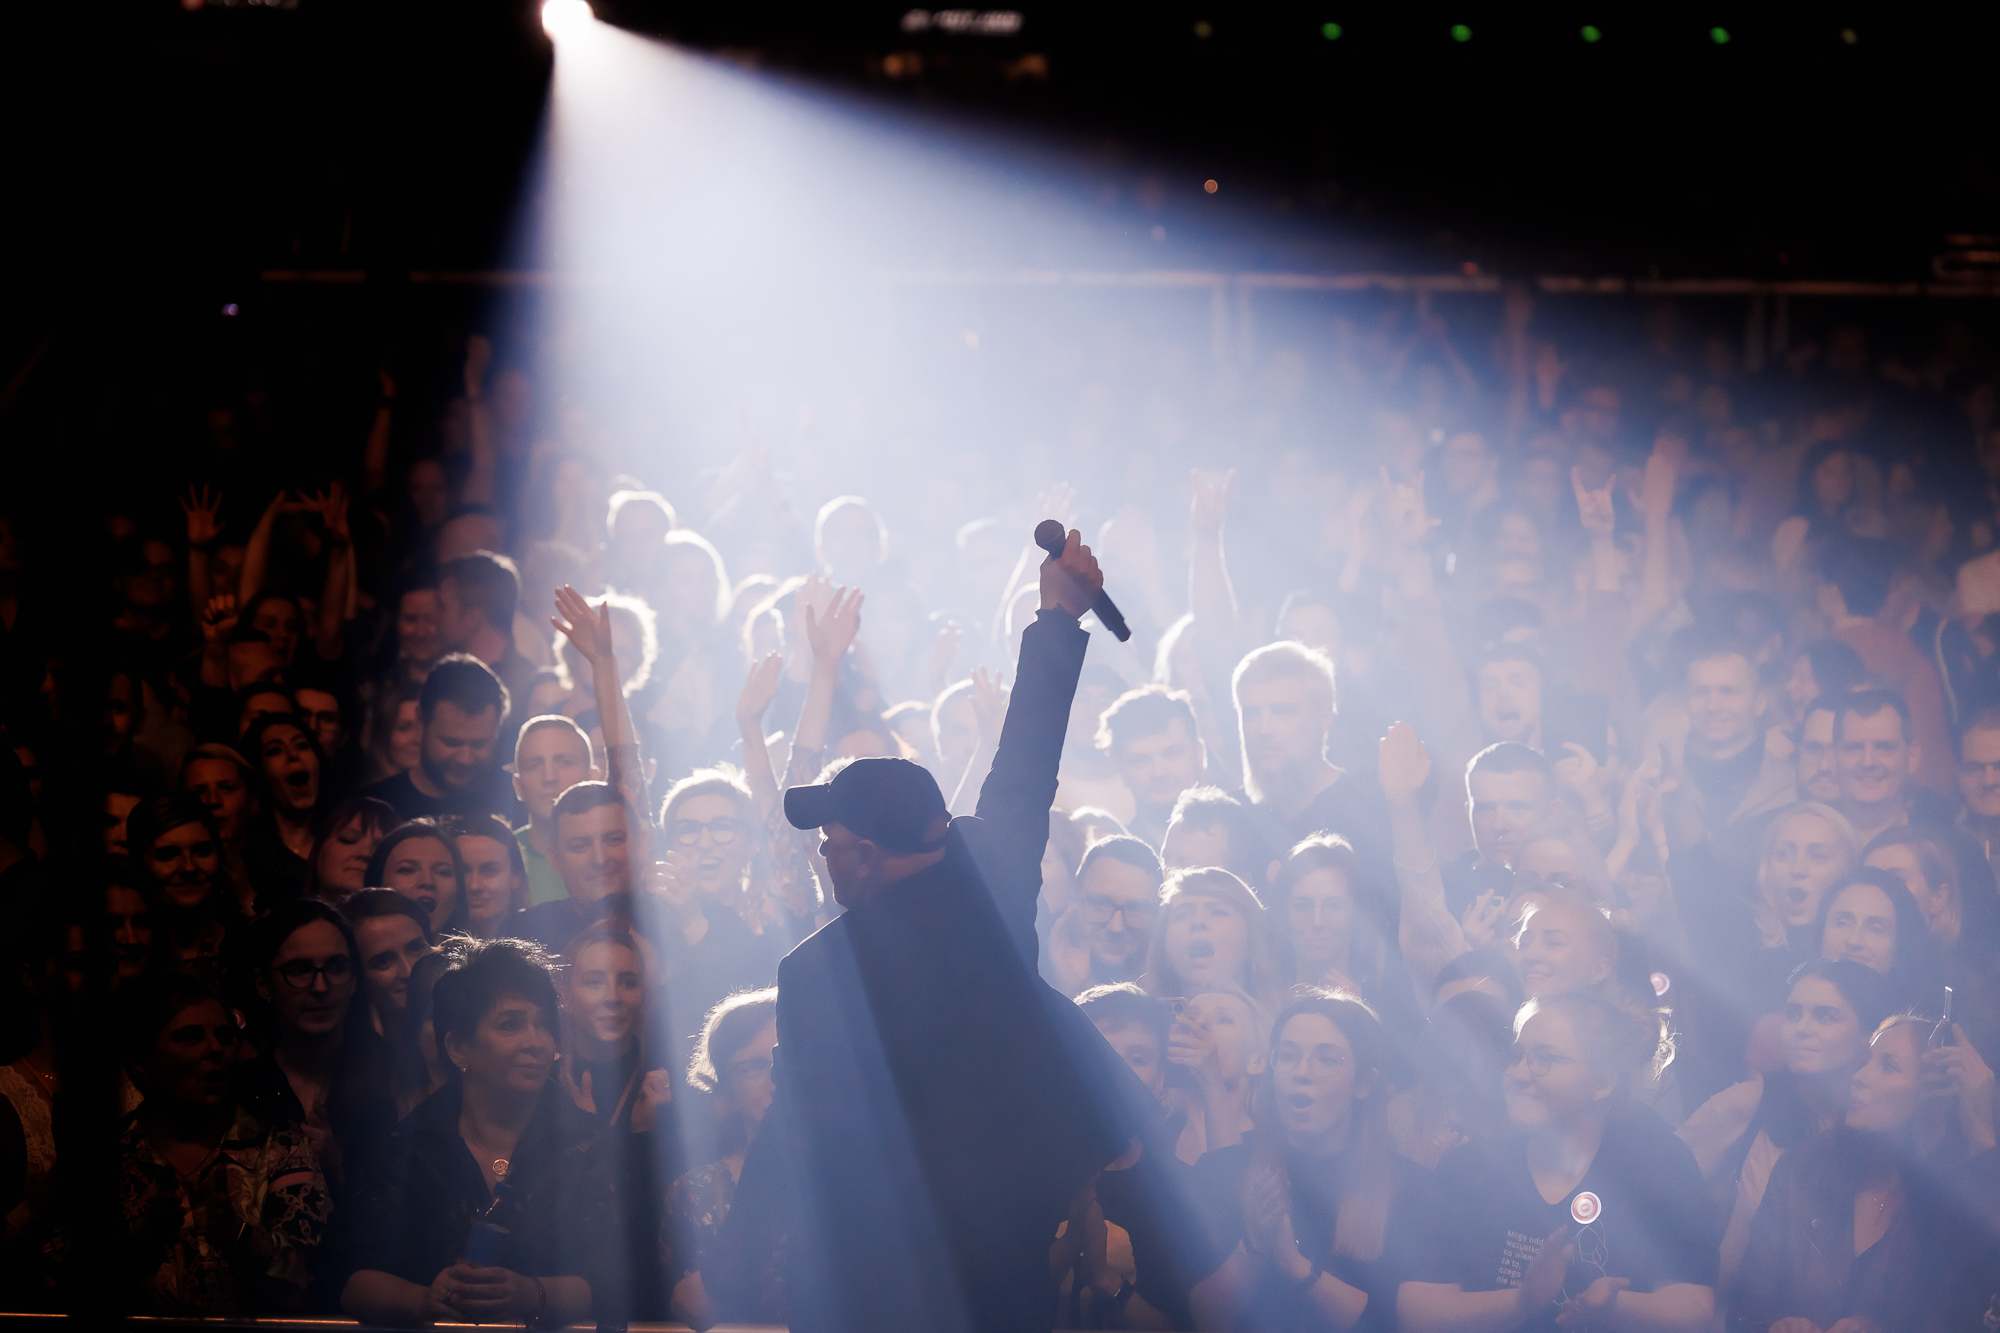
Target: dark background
380,134
160,160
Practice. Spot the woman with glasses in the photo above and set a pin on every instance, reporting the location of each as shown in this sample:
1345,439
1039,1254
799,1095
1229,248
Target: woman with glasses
321,1069
220,1212
732,1061
712,834
1586,1210
1314,1219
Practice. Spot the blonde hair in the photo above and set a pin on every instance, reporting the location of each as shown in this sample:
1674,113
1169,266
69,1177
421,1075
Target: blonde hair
1769,916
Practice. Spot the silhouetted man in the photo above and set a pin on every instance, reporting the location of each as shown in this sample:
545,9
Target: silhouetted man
938,1108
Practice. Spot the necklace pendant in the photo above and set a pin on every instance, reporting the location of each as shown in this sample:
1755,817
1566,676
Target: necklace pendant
500,1168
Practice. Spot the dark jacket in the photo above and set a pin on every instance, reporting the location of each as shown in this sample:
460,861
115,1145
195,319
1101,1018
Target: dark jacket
938,1105
1801,1258
413,1213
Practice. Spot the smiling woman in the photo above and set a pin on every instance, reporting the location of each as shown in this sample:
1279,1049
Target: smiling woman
499,1116
1870,918
220,1212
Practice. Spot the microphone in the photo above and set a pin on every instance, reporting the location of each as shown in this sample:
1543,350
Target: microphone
1052,536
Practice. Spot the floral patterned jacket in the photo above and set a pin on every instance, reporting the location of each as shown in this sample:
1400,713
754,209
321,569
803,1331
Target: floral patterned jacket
240,1238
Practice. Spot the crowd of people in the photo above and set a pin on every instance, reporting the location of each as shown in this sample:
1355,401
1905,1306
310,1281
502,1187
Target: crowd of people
1536,852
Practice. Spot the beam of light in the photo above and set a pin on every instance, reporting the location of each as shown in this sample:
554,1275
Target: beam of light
565,18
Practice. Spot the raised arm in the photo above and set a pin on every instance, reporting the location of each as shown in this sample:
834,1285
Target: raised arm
1020,789
590,630
1428,935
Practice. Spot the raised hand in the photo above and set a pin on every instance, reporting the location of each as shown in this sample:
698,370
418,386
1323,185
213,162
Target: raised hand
1593,506
760,688
1211,501
656,1091
1403,509
1193,1048
1403,765
1481,922
203,526
831,630
1663,465
989,703
218,619
589,630
1073,582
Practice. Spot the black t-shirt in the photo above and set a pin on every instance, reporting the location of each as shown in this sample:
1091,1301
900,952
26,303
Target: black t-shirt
1724,782
1316,1185
494,796
1655,1226
1354,808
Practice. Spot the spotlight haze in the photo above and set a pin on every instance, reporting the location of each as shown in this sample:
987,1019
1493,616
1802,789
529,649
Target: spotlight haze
562,17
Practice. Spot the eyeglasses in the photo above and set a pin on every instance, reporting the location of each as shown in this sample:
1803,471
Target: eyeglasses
756,1067
1098,910
300,972
721,832
1540,1060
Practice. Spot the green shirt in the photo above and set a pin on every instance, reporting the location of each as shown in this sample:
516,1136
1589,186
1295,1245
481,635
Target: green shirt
544,884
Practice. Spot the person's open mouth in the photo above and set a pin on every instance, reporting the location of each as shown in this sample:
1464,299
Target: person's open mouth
1300,1101
1203,949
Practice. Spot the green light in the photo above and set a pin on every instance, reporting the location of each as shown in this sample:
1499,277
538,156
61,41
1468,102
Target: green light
1330,31
1460,33
1720,36
1590,32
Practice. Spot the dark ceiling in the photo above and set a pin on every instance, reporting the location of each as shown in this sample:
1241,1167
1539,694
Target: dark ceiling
160,143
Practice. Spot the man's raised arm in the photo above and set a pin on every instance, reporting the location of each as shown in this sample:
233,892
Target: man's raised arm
1020,788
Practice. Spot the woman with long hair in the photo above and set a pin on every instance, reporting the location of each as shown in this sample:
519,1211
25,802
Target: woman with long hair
395,731
608,974
420,861
1211,927
1871,918
394,938
1316,1219
337,867
1586,1210
732,1061
322,1067
289,764
1335,936
1739,1134
1857,1228
501,1116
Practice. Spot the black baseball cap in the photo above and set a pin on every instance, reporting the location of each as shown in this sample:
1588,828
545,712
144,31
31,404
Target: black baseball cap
890,802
